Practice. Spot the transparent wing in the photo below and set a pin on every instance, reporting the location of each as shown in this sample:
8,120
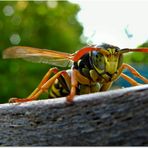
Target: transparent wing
39,55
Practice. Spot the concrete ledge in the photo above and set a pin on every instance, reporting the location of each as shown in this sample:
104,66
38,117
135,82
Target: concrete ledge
118,117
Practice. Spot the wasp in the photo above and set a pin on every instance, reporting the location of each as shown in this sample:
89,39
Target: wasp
93,68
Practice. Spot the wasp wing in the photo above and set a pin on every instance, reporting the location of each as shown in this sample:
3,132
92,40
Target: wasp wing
37,55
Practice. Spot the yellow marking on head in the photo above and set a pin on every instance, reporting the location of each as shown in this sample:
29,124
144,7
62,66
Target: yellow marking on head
111,50
111,63
104,52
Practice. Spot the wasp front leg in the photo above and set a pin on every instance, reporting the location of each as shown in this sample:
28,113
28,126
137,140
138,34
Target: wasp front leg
74,84
134,72
129,79
75,78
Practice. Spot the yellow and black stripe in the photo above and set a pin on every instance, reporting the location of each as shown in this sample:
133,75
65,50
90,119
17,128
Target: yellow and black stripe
59,88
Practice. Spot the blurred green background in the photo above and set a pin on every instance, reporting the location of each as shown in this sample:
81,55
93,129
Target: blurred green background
43,24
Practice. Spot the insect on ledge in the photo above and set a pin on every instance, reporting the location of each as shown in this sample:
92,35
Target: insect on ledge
91,69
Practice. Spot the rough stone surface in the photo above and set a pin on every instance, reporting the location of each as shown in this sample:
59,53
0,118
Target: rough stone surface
118,117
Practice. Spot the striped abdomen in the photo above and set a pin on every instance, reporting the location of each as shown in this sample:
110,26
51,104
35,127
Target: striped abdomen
59,88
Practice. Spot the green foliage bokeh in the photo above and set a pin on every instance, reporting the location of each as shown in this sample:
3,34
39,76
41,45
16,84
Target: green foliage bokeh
42,24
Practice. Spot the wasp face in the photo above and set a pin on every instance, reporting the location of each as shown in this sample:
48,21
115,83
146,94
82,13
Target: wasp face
107,60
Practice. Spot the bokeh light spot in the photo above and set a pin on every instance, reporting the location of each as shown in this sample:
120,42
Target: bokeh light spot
15,39
52,4
8,10
22,5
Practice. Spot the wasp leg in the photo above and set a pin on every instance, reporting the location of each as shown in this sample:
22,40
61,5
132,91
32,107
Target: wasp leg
75,78
30,97
44,80
67,78
74,84
133,71
81,79
106,86
41,89
130,80
48,84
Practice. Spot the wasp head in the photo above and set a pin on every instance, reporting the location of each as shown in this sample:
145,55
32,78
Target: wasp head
107,60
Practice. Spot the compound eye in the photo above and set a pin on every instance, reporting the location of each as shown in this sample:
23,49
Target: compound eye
98,60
